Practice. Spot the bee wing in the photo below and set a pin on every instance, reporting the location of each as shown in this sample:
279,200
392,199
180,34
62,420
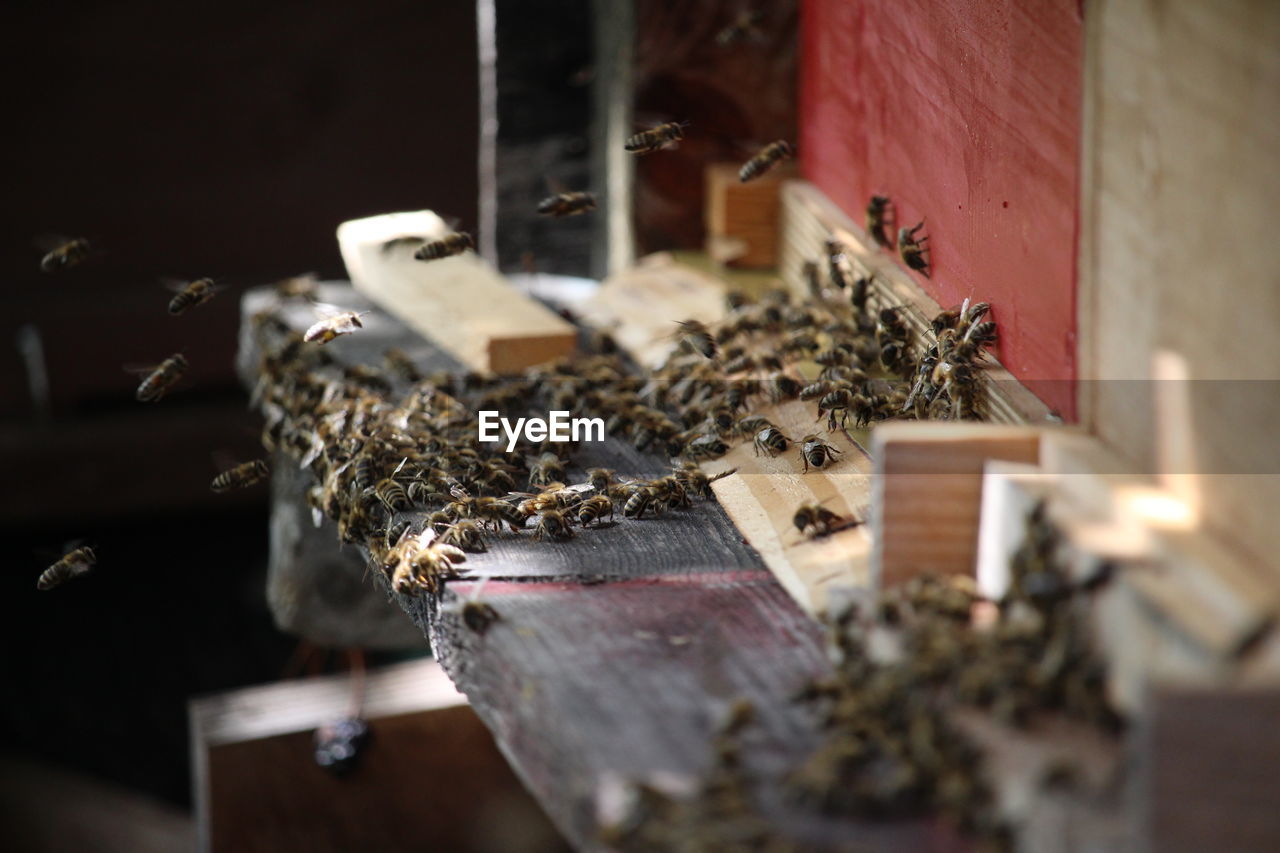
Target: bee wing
404,241
579,488
139,369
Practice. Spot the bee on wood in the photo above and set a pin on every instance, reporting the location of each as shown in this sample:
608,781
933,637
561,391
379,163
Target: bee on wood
162,378
546,469
746,25
812,275
593,510
771,441
192,294
67,253
836,404
818,521
657,138
839,267
242,476
816,452
600,478
768,157
567,204
478,616
392,495
333,326
697,337
72,565
465,535
298,287
912,249
451,244
429,561
705,447
552,524
877,219
694,480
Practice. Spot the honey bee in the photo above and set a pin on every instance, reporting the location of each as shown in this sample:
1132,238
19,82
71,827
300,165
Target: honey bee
912,249
392,495
552,524
333,326
839,267
546,469
820,521
298,287
192,294
705,447
836,403
600,478
465,535
451,244
877,219
594,509
428,561
812,278
162,378
567,204
67,254
242,476
657,138
771,441
746,25
399,364
816,452
71,566
694,480
697,337
478,616
768,157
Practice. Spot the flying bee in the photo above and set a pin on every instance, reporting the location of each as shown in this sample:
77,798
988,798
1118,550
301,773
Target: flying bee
657,138
593,510
819,521
552,524
192,294
242,476
333,326
912,249
162,378
697,337
451,244
71,566
816,452
769,156
877,219
746,25
771,441
305,286
67,253
398,363
567,204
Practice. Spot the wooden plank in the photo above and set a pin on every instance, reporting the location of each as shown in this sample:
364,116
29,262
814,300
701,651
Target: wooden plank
258,787
458,302
1182,103
966,113
809,218
742,218
927,493
1208,759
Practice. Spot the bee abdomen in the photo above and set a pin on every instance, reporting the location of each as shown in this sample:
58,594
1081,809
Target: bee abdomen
241,476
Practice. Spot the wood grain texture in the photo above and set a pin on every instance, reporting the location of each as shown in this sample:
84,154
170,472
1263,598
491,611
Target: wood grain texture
459,302
967,115
928,490
1182,112
743,219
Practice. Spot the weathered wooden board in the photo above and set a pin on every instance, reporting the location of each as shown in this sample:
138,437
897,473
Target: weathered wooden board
742,218
258,786
1182,104
460,302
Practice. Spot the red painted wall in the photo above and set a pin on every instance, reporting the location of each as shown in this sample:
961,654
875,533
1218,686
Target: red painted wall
967,114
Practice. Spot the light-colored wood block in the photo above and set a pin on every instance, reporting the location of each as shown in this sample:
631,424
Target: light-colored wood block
640,306
460,303
742,220
927,493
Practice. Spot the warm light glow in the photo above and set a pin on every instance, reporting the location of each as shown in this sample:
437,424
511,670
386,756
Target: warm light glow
1157,508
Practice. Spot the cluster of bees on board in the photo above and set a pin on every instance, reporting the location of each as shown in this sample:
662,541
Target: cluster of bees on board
890,748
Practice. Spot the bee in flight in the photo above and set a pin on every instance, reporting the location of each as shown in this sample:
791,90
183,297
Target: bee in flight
745,26
73,565
567,204
305,286
162,378
698,337
240,477
64,253
333,326
191,294
657,138
769,156
447,246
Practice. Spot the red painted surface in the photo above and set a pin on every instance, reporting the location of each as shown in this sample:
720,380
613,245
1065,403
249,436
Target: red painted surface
967,114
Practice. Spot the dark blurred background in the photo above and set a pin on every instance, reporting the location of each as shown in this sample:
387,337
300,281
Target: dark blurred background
226,139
